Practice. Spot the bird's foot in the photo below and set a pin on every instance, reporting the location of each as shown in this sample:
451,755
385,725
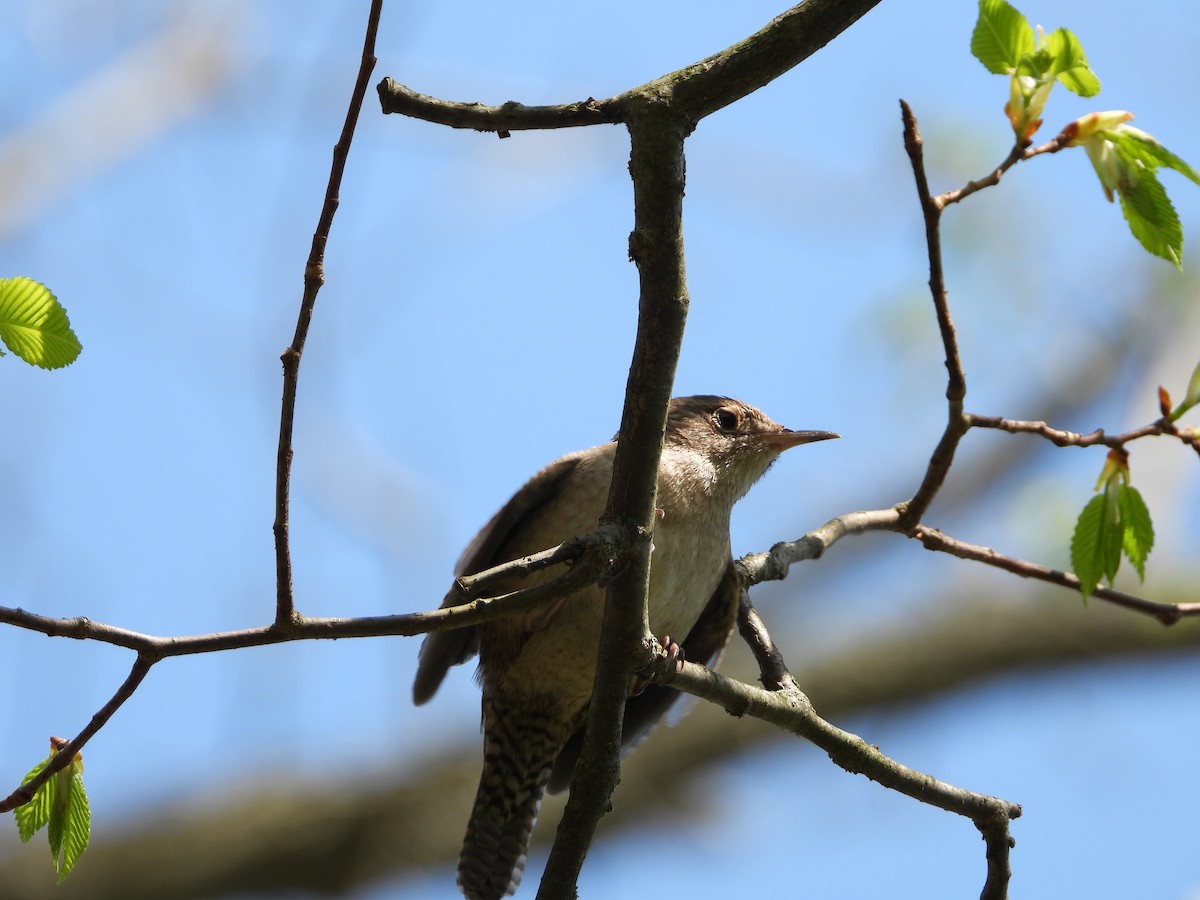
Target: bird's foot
675,657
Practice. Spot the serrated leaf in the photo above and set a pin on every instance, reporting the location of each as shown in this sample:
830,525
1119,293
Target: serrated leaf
34,815
1001,37
1087,545
1135,144
1136,529
1150,214
58,814
1110,539
76,824
1070,64
34,325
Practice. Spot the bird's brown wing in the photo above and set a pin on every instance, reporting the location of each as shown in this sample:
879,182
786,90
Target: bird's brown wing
704,644
442,649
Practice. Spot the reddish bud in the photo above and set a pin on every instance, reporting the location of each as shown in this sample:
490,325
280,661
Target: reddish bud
1164,402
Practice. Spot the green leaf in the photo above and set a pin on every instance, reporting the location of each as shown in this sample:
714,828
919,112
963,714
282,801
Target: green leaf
1070,65
1135,144
1136,528
1001,37
54,830
34,325
1112,532
34,815
1193,393
1089,543
62,804
1150,214
76,825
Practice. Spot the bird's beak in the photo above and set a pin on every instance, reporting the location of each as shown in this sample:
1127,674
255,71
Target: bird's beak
785,439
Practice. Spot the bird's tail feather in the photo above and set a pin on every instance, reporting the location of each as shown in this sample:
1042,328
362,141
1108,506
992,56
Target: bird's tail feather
518,753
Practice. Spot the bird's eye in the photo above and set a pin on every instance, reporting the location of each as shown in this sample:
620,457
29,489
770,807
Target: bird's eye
726,420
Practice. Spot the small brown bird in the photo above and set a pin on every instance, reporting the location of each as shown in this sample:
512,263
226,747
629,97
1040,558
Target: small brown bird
536,668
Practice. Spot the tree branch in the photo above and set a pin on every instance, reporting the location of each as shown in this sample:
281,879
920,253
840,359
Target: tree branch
589,568
788,708
314,278
512,116
1167,613
754,568
1073,439
990,814
656,164
695,91
24,793
956,385
1016,155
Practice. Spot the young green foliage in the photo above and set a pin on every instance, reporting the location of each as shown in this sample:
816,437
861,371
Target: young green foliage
1113,522
34,325
1002,37
1069,65
33,816
62,804
1006,45
1125,158
1137,531
1129,158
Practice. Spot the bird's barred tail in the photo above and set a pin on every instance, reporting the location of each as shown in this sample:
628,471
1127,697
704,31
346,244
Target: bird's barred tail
518,753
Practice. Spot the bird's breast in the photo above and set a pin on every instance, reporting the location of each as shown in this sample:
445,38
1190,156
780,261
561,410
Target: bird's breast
690,554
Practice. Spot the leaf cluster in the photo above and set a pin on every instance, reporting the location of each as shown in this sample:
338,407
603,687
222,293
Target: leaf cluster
1114,522
1125,158
62,804
1005,43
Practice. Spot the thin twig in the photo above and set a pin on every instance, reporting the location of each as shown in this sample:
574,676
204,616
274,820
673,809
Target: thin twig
314,277
773,671
1016,155
1073,439
956,383
793,712
23,794
1167,613
587,570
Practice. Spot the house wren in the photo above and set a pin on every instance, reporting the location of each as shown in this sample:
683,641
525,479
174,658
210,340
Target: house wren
536,668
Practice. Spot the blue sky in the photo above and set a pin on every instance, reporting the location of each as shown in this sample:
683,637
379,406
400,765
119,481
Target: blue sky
477,322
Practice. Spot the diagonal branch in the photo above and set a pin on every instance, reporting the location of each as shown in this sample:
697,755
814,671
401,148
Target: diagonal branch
1016,155
1167,613
787,707
23,794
